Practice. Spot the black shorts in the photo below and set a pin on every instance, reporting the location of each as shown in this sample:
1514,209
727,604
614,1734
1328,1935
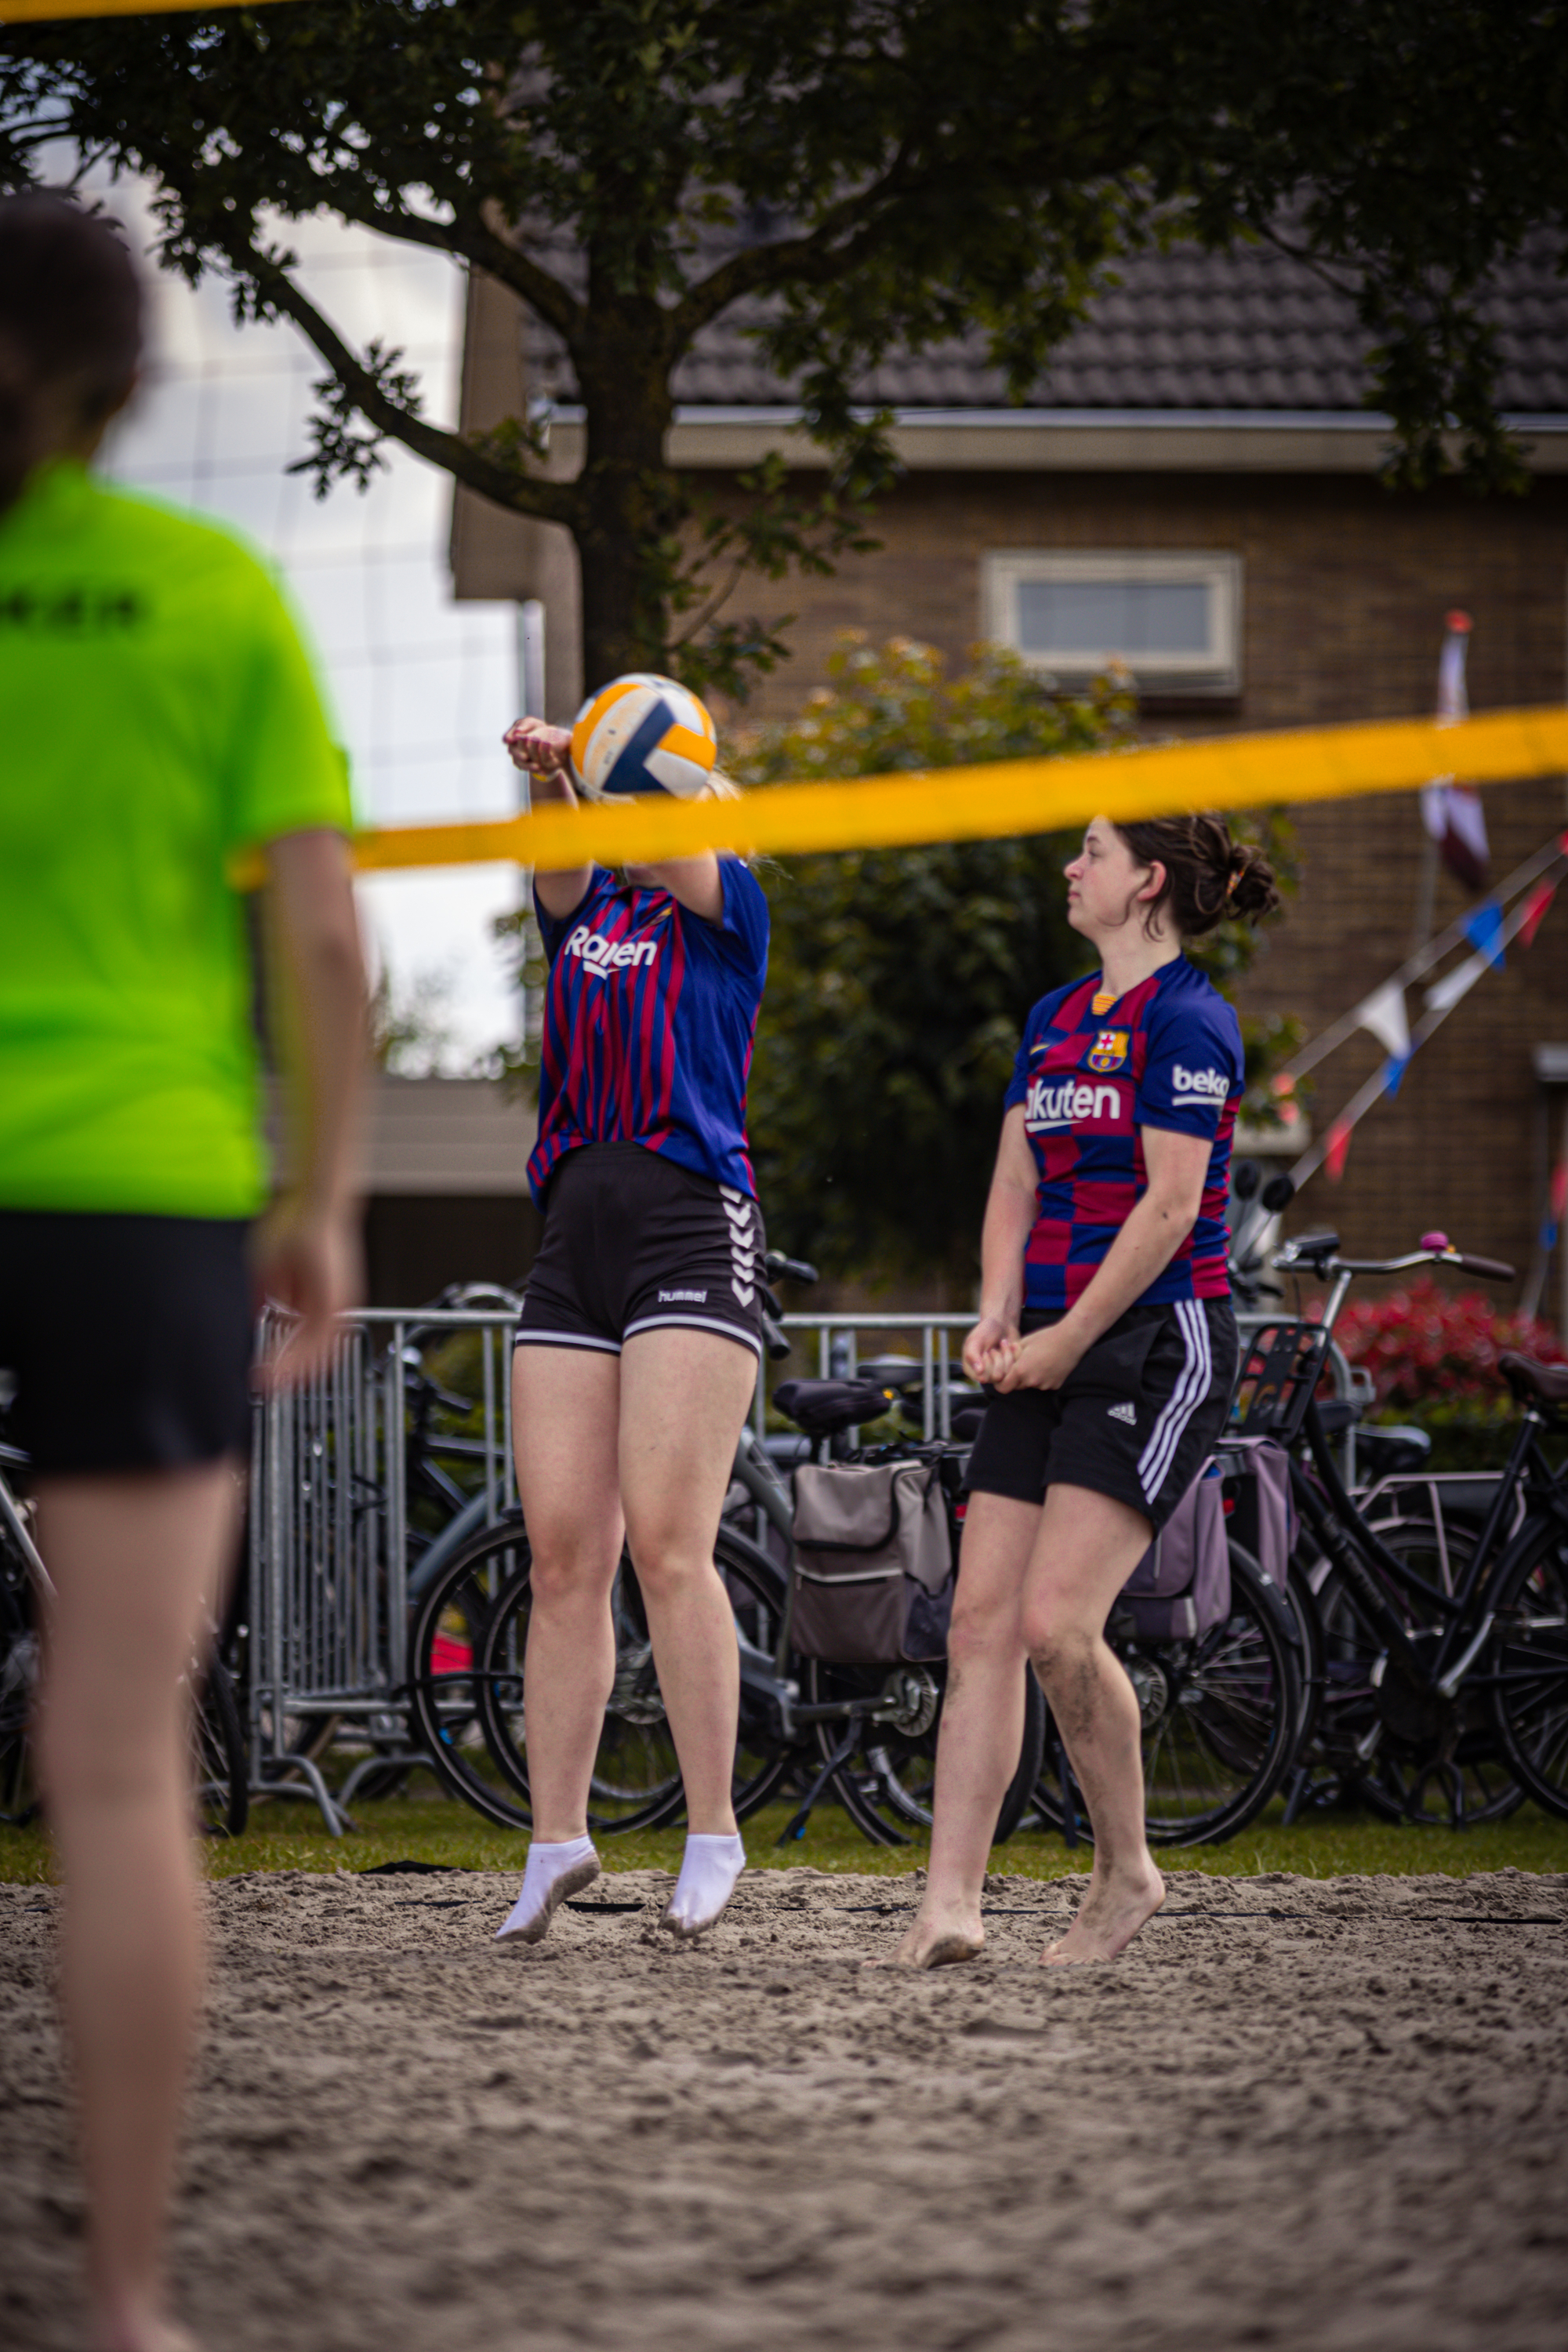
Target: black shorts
634,1242
1136,1420
128,1339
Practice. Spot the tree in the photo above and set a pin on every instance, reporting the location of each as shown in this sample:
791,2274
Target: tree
849,176
898,979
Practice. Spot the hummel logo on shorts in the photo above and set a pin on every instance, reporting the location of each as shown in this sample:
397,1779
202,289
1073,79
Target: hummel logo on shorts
1127,1412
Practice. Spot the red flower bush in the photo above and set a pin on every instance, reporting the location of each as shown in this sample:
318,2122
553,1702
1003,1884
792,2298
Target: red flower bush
1426,1345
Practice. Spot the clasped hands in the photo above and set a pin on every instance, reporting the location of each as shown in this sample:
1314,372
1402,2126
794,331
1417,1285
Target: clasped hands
538,749
994,1356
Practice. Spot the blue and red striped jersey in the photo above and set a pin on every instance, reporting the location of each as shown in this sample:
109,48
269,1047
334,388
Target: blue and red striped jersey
1168,1054
650,1015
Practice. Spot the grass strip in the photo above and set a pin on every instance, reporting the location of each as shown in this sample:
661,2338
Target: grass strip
447,1836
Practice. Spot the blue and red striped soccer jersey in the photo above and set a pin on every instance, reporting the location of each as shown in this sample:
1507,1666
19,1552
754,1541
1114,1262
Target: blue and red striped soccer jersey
1168,1054
648,1020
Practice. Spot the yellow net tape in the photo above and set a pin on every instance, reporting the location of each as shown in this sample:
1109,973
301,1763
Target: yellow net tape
1004,797
41,12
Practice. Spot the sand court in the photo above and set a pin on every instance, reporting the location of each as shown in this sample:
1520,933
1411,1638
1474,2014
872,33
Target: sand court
1304,2113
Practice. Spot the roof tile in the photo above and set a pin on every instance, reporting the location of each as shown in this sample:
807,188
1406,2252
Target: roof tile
1249,330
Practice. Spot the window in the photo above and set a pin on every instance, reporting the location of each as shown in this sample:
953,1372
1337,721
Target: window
1175,620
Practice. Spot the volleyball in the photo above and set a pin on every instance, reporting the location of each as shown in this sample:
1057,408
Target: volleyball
642,733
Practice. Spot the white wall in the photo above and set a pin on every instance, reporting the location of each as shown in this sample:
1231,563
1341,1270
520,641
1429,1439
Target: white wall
422,686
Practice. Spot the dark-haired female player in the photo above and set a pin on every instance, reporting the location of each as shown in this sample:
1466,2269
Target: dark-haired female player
1106,1334
640,1335
158,712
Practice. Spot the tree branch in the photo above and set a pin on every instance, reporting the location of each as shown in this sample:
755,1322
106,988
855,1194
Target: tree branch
757,267
471,238
522,493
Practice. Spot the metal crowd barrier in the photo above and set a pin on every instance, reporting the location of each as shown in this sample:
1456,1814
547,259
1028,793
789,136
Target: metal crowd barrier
333,1566
330,1555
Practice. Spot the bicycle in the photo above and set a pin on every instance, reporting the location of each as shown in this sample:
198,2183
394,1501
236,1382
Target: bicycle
1219,1712
1399,1697
219,1766
869,1733
467,1642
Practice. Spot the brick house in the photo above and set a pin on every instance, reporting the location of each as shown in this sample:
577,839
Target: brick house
1194,485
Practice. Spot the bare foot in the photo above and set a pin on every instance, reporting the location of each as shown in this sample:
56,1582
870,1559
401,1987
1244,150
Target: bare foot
939,1942
1108,1918
129,2330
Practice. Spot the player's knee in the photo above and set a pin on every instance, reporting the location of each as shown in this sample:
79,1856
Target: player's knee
668,1564
1054,1635
982,1632
567,1572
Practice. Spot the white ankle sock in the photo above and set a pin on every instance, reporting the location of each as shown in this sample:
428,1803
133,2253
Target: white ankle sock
708,1869
547,1867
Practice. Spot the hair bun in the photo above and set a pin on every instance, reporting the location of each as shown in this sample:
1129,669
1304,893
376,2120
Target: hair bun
1209,877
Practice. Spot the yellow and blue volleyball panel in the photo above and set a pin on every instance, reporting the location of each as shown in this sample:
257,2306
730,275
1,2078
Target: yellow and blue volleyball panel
642,733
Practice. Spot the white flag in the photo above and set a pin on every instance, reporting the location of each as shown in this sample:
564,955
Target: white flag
1452,813
1383,1014
1458,983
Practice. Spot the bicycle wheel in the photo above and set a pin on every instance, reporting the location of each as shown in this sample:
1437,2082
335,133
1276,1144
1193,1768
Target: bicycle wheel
637,1780
1220,1717
19,1684
1411,1755
888,1785
220,1766
445,1643
1530,1663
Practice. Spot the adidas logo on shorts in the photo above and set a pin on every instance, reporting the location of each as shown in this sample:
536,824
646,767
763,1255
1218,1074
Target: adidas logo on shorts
1127,1412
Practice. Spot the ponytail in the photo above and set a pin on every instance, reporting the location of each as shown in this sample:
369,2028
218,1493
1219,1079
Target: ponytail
1209,877
70,330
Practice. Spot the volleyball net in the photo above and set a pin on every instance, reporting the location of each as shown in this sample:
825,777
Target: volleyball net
999,799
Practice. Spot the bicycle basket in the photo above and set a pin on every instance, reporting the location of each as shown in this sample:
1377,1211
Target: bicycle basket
1281,1364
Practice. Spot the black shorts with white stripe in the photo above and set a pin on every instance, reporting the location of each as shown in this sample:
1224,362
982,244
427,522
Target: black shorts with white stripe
634,1242
1138,1418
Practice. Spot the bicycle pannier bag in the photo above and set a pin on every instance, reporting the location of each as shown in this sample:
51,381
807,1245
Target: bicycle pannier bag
1264,1519
1181,1587
874,1562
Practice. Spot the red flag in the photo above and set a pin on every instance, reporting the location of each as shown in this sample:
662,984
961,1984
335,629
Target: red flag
1535,908
1336,1146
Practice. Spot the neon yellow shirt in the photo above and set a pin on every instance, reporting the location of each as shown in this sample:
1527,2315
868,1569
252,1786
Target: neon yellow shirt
157,712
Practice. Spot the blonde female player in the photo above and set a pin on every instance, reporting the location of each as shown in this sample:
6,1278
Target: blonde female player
639,1339
158,713
1107,1336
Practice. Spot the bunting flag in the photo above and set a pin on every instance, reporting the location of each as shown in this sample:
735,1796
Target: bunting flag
1457,983
1394,1071
1557,1201
1335,1149
1383,1014
1483,929
1452,813
1534,914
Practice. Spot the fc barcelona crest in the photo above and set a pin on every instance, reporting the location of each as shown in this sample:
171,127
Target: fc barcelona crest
1109,1051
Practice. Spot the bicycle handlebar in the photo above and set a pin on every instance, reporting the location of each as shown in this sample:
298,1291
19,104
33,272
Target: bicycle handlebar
1493,1269
1436,1250
788,1270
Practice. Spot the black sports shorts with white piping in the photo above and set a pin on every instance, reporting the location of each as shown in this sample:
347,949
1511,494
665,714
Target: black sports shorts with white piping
1136,1420
634,1242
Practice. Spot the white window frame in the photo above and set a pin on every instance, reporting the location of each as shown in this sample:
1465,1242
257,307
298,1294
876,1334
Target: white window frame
1216,670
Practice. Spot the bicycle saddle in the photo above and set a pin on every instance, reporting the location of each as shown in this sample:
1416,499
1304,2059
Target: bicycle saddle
1530,1380
824,1408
